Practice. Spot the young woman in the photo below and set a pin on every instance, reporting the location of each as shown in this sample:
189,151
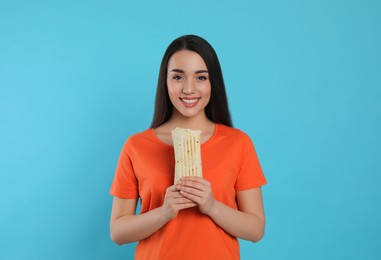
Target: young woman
196,218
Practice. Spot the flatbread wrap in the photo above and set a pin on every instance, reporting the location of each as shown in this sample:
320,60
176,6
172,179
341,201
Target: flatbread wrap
187,147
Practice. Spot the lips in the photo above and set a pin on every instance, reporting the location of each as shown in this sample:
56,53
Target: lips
189,101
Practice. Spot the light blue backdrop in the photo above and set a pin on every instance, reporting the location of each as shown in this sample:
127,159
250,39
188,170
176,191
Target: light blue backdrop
303,79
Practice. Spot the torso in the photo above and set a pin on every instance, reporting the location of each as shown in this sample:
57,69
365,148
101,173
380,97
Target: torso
146,170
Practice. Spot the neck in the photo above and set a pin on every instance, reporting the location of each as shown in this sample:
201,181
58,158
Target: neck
199,122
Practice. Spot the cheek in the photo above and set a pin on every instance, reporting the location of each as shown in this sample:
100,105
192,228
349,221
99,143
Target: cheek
172,92
207,91
169,88
209,94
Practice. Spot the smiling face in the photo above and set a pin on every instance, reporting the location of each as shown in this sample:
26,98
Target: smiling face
188,84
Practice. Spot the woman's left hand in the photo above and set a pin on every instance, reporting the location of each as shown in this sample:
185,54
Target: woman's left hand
198,190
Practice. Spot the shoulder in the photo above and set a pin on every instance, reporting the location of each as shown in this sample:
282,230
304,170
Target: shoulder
231,132
140,135
139,139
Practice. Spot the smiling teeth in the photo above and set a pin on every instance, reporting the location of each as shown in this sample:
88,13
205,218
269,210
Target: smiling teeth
190,101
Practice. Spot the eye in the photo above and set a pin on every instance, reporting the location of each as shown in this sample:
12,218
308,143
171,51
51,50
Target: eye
202,78
177,77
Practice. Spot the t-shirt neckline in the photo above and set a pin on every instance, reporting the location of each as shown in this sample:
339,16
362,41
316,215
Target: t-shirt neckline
157,140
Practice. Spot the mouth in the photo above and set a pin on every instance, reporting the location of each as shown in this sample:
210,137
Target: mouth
189,102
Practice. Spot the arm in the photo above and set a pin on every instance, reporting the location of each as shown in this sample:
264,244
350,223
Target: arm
126,227
247,223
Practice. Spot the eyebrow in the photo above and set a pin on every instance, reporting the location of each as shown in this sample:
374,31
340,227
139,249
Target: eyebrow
196,72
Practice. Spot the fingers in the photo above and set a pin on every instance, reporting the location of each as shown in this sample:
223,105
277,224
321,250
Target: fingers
195,182
173,203
198,190
171,189
192,194
187,205
174,193
182,200
194,179
175,199
194,185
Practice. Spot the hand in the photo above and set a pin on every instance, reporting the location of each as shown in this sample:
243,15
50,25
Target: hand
173,203
199,191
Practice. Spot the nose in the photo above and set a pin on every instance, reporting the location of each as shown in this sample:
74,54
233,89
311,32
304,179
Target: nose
188,87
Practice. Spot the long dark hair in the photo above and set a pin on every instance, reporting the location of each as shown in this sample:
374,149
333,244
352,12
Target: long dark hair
217,109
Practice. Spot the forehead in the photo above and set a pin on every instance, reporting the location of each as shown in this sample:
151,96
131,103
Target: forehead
187,61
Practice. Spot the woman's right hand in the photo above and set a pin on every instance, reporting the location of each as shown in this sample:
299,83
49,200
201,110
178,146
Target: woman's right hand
173,203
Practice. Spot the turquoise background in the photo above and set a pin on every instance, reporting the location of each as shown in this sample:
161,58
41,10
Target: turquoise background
303,80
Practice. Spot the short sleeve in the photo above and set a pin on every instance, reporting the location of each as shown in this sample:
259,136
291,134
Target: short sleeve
250,174
125,184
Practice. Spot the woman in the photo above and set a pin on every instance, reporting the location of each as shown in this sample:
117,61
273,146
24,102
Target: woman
196,218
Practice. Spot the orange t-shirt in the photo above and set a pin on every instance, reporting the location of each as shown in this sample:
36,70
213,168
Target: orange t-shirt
146,169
